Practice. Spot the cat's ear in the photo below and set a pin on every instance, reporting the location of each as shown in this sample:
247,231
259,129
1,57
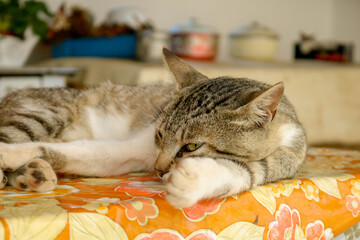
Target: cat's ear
262,109
184,74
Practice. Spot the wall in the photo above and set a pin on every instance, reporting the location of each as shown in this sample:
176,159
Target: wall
346,23
325,18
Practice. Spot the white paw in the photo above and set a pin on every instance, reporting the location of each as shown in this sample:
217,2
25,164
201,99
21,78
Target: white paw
37,175
189,181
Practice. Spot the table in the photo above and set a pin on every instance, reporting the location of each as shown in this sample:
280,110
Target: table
322,201
12,79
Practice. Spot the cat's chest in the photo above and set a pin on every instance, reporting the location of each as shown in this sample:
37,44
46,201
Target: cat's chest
108,125
97,124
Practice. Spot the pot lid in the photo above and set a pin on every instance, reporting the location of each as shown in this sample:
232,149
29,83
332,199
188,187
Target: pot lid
192,26
254,29
153,33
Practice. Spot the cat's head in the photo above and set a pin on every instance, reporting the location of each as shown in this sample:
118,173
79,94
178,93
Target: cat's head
217,118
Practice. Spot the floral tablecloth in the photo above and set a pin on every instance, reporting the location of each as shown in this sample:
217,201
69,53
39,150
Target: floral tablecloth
321,203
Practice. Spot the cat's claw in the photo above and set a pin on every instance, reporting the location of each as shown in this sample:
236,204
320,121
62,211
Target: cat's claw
185,185
37,175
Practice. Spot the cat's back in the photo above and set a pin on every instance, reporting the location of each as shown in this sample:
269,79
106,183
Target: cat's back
105,112
36,114
46,96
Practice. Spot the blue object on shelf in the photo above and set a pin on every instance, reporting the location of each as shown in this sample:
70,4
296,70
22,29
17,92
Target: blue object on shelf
122,46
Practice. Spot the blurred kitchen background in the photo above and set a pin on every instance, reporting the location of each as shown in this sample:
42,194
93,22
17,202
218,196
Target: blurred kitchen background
312,46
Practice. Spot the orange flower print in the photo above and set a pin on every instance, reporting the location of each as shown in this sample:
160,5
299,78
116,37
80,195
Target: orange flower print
315,231
355,189
100,205
284,187
141,186
288,227
141,209
170,234
203,234
338,162
200,210
311,190
353,204
59,191
286,224
162,234
276,188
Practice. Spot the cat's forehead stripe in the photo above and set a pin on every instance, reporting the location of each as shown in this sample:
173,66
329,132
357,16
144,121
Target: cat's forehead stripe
203,99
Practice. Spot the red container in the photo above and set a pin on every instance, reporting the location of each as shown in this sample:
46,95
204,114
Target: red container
194,41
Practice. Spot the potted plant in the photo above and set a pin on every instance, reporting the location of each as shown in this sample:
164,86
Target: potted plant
22,25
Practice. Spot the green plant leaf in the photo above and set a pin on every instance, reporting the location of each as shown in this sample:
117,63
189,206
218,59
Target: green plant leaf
34,7
16,17
39,27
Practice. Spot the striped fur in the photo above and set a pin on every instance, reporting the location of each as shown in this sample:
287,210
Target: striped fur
36,114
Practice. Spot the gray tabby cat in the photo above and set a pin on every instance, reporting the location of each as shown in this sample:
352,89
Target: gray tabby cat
213,137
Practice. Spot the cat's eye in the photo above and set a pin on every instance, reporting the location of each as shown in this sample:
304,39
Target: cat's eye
188,148
192,147
158,136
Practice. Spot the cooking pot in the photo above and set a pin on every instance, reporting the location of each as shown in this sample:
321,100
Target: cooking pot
150,44
194,41
255,42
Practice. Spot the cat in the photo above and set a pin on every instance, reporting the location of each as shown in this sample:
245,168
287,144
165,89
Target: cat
205,138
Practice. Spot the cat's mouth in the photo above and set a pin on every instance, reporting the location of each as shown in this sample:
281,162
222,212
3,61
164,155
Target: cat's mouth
163,175
160,173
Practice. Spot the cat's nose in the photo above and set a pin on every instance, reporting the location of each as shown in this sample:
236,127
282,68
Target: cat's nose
160,173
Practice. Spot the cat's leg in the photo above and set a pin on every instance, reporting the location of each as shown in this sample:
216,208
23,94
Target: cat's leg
24,168
85,157
284,162
195,179
31,115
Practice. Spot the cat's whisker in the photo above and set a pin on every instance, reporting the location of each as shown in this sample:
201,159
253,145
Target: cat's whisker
157,112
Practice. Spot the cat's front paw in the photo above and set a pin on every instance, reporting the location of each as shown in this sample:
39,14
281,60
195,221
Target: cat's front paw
187,183
37,175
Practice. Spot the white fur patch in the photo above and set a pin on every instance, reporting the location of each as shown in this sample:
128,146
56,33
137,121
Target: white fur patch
106,126
289,133
101,158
